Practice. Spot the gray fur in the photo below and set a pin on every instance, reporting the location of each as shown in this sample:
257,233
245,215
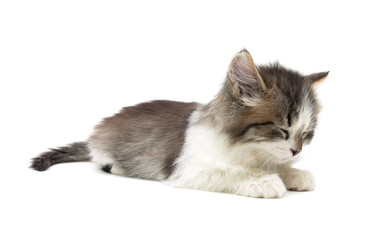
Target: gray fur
75,152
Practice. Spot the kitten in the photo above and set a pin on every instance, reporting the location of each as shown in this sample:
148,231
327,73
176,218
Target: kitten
243,142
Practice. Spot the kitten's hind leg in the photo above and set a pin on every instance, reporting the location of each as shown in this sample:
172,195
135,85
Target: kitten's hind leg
112,168
118,171
106,161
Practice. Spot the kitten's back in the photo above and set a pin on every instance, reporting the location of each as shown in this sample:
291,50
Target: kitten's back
144,140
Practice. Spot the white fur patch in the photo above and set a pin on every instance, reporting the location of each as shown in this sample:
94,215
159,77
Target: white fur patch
304,119
269,186
281,150
100,157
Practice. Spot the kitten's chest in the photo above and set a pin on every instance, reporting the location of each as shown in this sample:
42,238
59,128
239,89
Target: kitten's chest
209,158
205,147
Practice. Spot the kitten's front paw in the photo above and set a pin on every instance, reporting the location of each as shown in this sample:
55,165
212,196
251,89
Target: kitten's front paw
299,181
270,186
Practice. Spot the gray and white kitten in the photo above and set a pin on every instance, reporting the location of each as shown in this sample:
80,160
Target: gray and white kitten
243,142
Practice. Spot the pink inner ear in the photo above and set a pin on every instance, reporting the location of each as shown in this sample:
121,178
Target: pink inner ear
243,68
245,77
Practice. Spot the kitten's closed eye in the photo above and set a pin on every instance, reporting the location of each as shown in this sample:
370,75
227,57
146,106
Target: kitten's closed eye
269,130
256,125
307,136
285,133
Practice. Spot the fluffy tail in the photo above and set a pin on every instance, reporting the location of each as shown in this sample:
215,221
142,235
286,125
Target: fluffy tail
75,152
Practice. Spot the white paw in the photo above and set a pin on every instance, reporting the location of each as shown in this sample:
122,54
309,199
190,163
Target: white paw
299,181
269,186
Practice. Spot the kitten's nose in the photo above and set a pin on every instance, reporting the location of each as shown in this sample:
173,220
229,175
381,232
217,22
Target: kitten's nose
294,152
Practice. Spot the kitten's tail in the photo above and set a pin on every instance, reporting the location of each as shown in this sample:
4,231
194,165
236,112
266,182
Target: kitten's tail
75,152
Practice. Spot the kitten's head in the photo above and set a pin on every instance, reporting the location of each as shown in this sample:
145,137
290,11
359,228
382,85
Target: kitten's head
271,106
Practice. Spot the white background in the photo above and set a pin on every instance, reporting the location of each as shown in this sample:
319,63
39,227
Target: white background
64,65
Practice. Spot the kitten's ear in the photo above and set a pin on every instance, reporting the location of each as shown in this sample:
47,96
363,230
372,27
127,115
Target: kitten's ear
315,78
243,77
